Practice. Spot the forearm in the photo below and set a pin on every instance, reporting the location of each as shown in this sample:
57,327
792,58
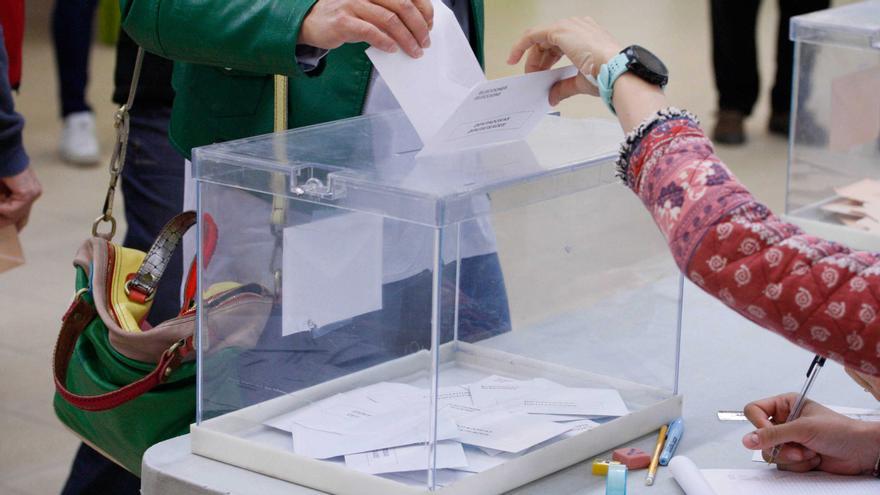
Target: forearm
817,294
635,100
250,35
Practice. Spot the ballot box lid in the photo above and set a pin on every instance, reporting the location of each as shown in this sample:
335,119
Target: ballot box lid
371,164
856,25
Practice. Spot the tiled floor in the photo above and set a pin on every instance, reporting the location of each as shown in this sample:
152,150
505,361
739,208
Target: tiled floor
35,450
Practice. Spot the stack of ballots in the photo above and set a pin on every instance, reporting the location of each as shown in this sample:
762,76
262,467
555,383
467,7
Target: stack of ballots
383,428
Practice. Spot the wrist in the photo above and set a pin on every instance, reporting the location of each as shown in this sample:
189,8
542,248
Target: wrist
603,57
870,452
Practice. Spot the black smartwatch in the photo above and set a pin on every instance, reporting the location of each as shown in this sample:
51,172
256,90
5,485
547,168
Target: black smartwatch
646,65
637,60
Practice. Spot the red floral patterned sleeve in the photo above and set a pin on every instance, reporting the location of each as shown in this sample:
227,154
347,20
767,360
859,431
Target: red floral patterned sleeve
818,294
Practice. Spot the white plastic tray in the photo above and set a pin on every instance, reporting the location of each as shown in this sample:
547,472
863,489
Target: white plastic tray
240,439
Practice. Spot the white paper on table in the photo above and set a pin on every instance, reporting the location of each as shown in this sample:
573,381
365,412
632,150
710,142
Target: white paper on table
382,432
770,481
346,412
501,430
597,402
448,99
332,271
430,88
410,458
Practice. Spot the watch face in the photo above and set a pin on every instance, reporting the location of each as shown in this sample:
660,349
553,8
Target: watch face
649,61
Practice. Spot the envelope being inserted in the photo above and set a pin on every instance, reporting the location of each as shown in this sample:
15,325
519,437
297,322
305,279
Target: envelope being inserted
448,99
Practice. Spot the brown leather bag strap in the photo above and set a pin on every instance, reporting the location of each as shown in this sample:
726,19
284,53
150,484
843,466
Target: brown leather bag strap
75,321
142,287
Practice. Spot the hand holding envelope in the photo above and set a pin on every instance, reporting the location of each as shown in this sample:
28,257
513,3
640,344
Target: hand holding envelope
448,99
385,24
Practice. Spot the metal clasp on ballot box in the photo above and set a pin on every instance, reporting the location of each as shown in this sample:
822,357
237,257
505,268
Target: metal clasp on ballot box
316,183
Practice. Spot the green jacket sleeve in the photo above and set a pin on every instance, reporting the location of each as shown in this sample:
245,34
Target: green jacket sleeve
250,35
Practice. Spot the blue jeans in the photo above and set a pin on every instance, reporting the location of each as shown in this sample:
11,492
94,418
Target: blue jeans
152,187
282,364
72,22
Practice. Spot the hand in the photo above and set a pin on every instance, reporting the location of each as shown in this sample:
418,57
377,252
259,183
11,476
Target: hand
384,24
17,194
818,439
581,39
870,383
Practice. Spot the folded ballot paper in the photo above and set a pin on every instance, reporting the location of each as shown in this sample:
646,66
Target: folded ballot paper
448,99
384,427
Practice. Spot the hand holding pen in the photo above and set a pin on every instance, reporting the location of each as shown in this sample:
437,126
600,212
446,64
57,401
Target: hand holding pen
812,373
819,439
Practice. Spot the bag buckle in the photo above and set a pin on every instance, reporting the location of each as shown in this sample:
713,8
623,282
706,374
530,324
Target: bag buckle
143,294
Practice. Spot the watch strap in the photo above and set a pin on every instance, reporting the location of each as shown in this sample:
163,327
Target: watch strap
608,74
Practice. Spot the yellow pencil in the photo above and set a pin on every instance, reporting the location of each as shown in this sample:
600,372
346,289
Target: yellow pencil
655,459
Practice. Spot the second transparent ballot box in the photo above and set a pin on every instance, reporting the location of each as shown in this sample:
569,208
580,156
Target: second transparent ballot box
834,156
464,322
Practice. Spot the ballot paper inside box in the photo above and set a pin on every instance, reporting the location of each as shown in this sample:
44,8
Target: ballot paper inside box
466,322
834,159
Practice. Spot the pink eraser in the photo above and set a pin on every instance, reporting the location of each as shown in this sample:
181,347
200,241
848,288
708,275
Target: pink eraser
632,457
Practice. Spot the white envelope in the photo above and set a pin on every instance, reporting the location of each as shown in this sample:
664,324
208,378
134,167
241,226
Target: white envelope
498,390
379,432
411,458
498,111
596,402
501,430
430,88
332,271
345,412
448,99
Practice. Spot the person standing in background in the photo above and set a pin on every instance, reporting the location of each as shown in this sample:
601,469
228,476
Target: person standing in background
19,187
735,58
72,22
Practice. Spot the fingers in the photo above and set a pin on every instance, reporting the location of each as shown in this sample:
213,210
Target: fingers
401,20
572,86
532,37
359,30
761,411
802,466
789,454
541,58
798,431
427,10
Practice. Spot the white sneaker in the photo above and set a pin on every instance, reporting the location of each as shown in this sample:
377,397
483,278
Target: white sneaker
78,142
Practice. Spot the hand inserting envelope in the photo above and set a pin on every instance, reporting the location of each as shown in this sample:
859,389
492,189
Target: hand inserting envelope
448,99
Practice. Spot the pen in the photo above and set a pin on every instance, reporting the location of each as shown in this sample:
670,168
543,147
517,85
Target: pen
673,436
812,372
655,459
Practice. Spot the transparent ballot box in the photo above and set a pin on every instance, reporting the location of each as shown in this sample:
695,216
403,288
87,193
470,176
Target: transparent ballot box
462,323
834,158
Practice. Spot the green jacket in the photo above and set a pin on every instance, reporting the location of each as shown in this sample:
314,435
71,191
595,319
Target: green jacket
226,52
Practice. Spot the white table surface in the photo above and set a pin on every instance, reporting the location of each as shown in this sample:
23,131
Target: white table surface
726,362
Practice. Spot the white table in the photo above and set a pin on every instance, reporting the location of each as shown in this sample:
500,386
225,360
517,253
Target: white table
726,362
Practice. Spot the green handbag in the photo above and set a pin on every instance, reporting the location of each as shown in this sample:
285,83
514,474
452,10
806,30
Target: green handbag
121,385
